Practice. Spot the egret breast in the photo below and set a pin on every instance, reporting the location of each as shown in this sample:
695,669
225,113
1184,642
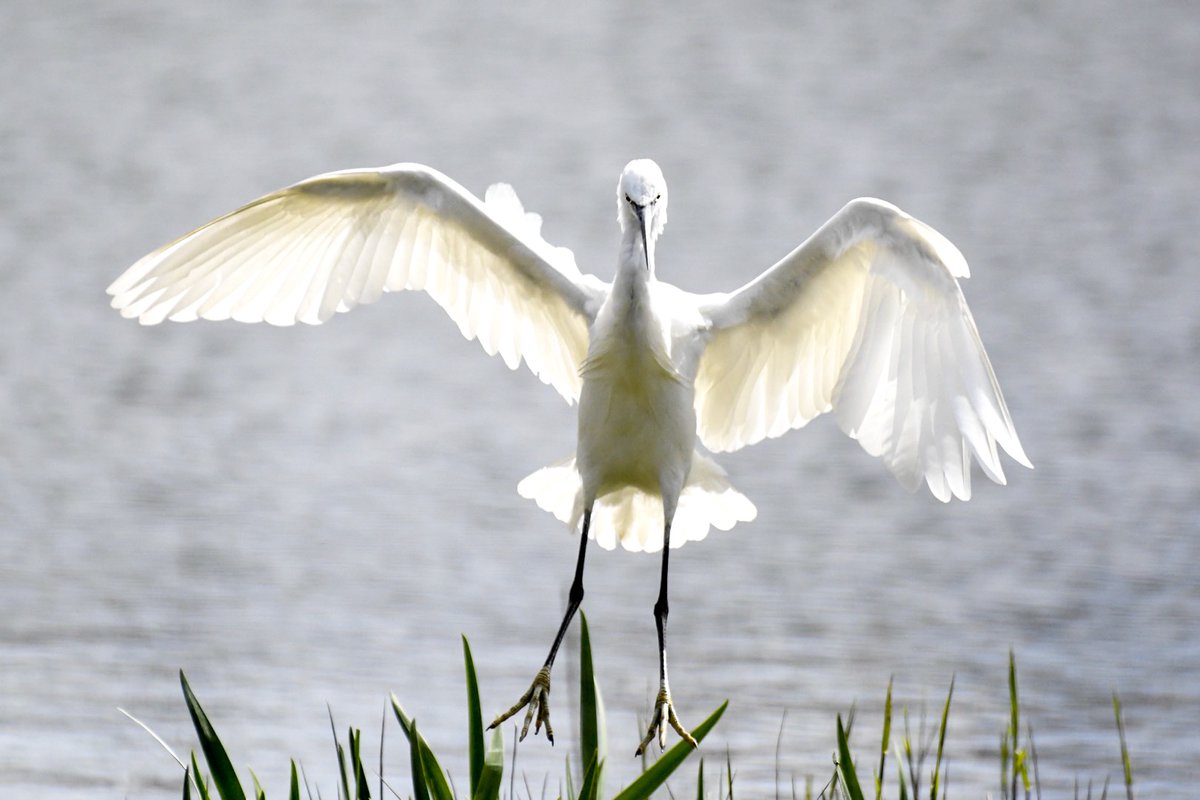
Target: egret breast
637,424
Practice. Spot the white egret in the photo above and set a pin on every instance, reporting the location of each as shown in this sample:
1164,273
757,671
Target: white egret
865,319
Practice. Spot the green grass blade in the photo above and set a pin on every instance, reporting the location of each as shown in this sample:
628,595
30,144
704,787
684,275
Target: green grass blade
658,772
887,734
434,776
1004,764
474,719
937,763
219,765
1013,704
362,790
198,779
729,772
901,781
1014,722
1033,756
344,792
845,765
355,757
588,788
187,783
294,788
259,794
1125,761
908,757
420,786
700,781
490,777
591,709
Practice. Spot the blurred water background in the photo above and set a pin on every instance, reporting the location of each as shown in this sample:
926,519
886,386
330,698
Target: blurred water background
309,516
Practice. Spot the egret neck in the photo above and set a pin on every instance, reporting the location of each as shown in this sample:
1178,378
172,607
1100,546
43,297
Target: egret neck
635,267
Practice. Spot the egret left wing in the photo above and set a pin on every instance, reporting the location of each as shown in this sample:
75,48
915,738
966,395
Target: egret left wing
866,319
335,241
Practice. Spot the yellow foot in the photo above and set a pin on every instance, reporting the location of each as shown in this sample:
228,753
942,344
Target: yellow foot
664,713
537,697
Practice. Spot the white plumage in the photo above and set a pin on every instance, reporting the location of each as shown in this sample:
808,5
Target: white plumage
865,319
334,241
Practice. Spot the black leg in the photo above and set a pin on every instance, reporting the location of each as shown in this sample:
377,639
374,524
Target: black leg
662,608
664,710
576,595
538,695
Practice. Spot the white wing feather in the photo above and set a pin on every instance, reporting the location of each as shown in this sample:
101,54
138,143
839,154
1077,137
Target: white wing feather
334,241
866,319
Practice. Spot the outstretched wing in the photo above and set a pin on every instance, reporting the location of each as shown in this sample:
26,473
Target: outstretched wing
334,241
866,319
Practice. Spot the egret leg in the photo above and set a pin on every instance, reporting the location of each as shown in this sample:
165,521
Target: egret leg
664,709
537,697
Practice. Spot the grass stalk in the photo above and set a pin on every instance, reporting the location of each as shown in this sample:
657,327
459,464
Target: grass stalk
883,748
485,760
1126,764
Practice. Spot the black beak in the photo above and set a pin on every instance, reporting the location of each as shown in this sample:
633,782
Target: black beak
640,210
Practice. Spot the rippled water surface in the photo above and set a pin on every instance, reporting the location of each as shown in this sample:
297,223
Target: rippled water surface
311,516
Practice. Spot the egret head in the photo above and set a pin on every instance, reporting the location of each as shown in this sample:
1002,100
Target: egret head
642,199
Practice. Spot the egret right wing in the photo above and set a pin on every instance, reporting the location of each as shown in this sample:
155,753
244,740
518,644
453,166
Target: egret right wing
865,318
334,241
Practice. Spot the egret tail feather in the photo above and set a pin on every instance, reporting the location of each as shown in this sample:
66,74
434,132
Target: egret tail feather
634,518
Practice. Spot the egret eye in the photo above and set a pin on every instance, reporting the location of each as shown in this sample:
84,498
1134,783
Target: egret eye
629,199
657,197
